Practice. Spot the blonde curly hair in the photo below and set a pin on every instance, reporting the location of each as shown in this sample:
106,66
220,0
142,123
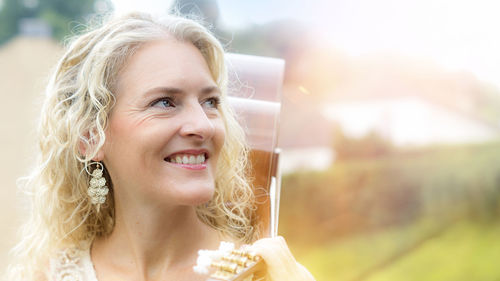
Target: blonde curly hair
78,100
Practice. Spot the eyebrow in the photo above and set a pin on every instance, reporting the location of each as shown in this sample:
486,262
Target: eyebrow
172,90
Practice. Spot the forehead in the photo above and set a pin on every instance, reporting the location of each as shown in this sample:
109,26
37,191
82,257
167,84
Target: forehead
164,62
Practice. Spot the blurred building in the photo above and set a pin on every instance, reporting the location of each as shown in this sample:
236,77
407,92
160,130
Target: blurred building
25,65
408,120
34,27
305,135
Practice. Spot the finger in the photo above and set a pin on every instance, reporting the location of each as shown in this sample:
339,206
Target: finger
281,265
274,250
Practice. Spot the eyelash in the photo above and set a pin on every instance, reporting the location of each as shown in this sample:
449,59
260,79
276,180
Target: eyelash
164,99
215,100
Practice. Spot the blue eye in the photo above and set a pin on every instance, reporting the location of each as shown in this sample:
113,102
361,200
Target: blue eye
212,102
163,102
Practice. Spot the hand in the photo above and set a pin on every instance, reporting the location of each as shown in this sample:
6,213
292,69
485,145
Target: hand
281,265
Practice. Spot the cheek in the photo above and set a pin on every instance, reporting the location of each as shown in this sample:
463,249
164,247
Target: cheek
118,132
124,137
137,128
220,135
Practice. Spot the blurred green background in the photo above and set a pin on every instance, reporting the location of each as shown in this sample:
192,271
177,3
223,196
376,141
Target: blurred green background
418,214
391,161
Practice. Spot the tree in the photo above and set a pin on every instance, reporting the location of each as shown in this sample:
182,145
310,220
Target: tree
371,145
59,14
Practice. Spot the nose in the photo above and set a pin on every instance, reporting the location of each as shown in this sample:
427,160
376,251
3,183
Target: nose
196,123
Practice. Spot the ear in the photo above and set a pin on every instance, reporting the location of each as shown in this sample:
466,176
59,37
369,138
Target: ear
99,156
86,143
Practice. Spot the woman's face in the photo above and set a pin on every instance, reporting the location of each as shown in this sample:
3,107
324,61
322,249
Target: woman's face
165,131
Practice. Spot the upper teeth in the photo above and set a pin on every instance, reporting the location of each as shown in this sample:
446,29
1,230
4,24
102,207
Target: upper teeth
188,159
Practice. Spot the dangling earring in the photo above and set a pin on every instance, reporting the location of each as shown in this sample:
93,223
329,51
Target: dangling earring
97,190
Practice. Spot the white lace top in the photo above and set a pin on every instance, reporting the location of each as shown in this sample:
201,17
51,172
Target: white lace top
73,264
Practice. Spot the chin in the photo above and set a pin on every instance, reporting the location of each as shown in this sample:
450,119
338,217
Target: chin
200,195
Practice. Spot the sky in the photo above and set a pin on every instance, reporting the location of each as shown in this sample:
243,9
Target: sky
458,35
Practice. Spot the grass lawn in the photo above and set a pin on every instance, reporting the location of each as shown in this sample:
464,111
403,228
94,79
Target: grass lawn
463,251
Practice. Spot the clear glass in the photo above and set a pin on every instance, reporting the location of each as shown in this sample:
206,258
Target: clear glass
255,85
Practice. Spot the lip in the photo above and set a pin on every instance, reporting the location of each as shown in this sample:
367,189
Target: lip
190,166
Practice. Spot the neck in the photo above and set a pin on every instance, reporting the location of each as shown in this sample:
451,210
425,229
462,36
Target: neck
148,242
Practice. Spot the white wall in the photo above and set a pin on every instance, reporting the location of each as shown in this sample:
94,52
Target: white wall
408,121
310,158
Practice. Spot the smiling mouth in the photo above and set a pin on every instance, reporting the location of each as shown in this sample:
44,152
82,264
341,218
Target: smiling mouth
187,159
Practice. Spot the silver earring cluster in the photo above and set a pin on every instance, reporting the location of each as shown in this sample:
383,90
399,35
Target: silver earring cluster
97,190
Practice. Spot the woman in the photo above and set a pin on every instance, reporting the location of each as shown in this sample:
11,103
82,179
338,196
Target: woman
141,161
